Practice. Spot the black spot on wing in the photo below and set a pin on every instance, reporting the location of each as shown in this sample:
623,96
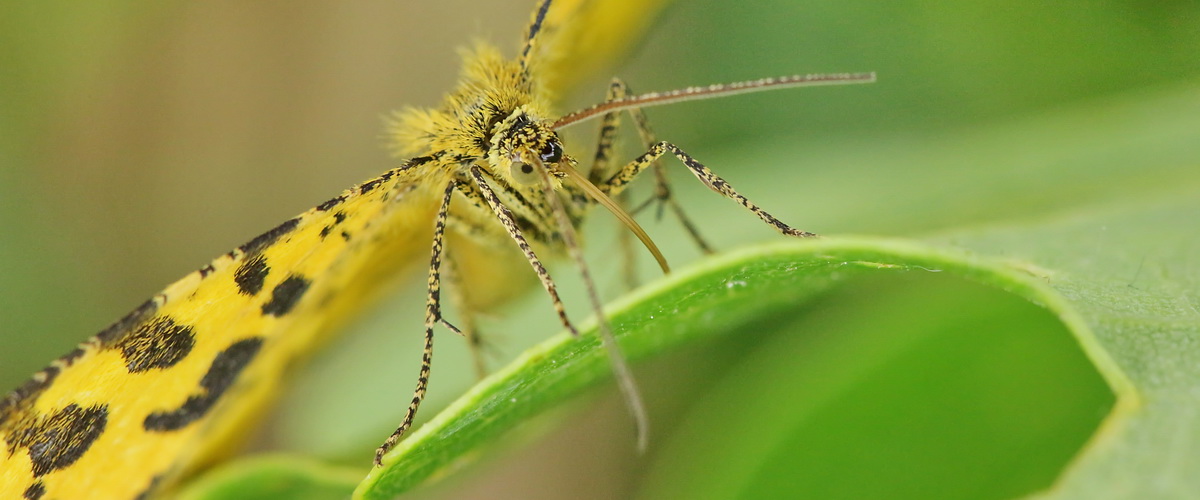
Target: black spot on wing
35,491
158,343
70,357
418,161
285,295
338,218
369,186
123,326
22,397
221,375
264,240
250,276
62,438
332,202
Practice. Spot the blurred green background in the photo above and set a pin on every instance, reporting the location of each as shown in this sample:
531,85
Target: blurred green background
138,140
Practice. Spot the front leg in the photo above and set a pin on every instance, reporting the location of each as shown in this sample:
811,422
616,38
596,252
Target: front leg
609,125
504,215
617,183
433,316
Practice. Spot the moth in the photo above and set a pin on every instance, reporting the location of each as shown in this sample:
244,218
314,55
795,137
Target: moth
486,182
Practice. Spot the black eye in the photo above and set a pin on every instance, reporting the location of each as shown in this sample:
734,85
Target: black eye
523,173
552,153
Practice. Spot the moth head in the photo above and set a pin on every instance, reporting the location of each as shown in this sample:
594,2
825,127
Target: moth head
523,148
521,145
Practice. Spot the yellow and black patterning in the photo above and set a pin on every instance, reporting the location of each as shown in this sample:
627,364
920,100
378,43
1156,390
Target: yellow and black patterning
170,386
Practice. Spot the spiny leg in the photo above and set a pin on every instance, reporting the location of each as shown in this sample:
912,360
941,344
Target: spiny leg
617,183
610,123
505,217
624,376
433,316
664,197
475,342
705,92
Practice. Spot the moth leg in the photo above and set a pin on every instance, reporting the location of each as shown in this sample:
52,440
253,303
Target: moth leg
475,341
609,124
433,316
617,183
504,215
621,370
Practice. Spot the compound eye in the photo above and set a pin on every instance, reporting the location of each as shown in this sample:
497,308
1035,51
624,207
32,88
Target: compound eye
552,152
523,173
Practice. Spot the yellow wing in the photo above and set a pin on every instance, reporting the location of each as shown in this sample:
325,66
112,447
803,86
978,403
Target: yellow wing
580,40
172,384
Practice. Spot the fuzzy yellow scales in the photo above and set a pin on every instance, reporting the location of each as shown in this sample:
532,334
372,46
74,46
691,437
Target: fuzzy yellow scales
175,382
168,388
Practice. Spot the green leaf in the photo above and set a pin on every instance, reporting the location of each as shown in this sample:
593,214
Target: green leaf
273,477
754,290
860,367
762,286
1051,150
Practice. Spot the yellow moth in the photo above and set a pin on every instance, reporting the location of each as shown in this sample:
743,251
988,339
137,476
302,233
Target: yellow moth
484,181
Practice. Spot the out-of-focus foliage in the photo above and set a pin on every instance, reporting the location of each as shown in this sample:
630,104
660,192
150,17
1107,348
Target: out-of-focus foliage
137,141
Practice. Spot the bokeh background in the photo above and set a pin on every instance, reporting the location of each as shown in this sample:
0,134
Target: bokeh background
138,140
